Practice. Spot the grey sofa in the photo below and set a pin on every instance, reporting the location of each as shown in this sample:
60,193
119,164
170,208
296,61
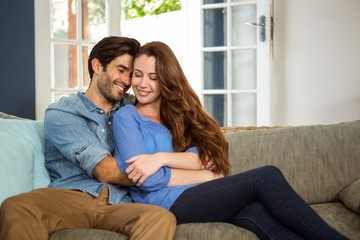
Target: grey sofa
321,162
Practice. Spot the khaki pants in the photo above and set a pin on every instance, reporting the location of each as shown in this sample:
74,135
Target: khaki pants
37,214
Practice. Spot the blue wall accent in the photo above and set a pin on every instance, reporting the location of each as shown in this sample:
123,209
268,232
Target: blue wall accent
17,58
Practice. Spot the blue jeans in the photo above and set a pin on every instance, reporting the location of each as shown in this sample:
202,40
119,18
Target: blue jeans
260,200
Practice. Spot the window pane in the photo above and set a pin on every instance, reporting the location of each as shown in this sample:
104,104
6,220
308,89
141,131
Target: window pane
63,19
214,27
243,34
65,66
94,19
56,96
240,0
215,104
244,69
213,1
215,70
86,77
244,109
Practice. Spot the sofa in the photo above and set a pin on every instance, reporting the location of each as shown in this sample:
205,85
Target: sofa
321,162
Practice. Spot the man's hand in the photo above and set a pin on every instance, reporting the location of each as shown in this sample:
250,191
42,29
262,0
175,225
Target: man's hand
107,171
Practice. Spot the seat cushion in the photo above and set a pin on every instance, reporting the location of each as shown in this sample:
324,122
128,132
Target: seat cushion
341,218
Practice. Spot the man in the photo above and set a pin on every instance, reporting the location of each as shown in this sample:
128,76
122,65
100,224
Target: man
86,182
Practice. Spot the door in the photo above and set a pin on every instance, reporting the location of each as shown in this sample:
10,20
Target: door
234,60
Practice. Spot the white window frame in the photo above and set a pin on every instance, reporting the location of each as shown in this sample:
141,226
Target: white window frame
43,42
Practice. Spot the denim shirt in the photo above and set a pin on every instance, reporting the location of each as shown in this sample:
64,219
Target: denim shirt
77,137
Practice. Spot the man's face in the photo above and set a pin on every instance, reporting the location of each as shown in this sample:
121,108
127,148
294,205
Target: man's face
114,81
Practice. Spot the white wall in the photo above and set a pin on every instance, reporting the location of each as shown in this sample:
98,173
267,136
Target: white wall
316,69
170,28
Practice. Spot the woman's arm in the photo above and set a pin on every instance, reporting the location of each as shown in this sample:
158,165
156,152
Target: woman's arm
147,164
180,177
129,141
150,163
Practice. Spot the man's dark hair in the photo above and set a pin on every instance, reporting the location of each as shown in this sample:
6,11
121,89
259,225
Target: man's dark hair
110,48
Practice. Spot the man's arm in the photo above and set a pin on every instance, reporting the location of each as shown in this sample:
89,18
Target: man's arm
107,171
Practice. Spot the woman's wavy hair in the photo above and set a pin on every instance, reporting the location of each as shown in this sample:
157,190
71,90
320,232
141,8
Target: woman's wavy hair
182,112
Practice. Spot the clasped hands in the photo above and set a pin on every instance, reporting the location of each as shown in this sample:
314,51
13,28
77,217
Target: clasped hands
145,165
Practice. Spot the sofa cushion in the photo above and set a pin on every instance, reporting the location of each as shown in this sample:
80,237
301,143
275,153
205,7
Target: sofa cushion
16,172
350,196
340,218
189,231
88,234
31,132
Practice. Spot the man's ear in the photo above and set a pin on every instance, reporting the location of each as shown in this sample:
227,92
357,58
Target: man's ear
96,66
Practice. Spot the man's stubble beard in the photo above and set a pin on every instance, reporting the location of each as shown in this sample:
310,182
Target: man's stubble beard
105,85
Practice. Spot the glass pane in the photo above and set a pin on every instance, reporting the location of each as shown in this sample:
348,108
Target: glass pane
213,1
215,104
85,56
65,66
56,96
244,69
244,109
240,0
243,34
63,19
215,70
94,19
214,27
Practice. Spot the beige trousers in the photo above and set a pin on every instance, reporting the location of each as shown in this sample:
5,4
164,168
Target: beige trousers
37,214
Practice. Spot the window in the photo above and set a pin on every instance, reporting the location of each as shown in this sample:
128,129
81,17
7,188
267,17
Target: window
63,46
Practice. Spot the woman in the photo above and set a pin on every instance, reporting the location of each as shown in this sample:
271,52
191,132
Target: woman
176,155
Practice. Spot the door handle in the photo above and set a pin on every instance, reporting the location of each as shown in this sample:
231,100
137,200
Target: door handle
262,25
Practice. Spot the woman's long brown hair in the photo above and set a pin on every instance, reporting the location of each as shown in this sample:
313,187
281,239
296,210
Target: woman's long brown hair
182,112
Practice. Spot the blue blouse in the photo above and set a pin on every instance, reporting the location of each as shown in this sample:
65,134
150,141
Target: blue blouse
134,135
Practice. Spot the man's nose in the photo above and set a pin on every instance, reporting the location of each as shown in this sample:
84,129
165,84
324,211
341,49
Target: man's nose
127,79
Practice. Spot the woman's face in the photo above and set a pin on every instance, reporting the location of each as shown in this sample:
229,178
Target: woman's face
144,80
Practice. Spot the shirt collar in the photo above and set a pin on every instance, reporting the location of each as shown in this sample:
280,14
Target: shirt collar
91,106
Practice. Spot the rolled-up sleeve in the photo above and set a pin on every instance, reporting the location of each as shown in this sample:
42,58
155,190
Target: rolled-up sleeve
75,140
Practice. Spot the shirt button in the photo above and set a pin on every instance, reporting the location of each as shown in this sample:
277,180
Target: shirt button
103,130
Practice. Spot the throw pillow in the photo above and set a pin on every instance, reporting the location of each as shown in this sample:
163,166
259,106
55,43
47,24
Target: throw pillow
350,196
16,172
31,132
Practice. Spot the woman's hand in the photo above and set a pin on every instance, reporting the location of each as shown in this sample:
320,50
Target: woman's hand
143,166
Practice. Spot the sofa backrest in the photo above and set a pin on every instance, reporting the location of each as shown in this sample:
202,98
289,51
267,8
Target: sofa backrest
318,161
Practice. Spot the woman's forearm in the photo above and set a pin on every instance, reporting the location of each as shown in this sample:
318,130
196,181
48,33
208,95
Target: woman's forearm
181,160
180,177
145,165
